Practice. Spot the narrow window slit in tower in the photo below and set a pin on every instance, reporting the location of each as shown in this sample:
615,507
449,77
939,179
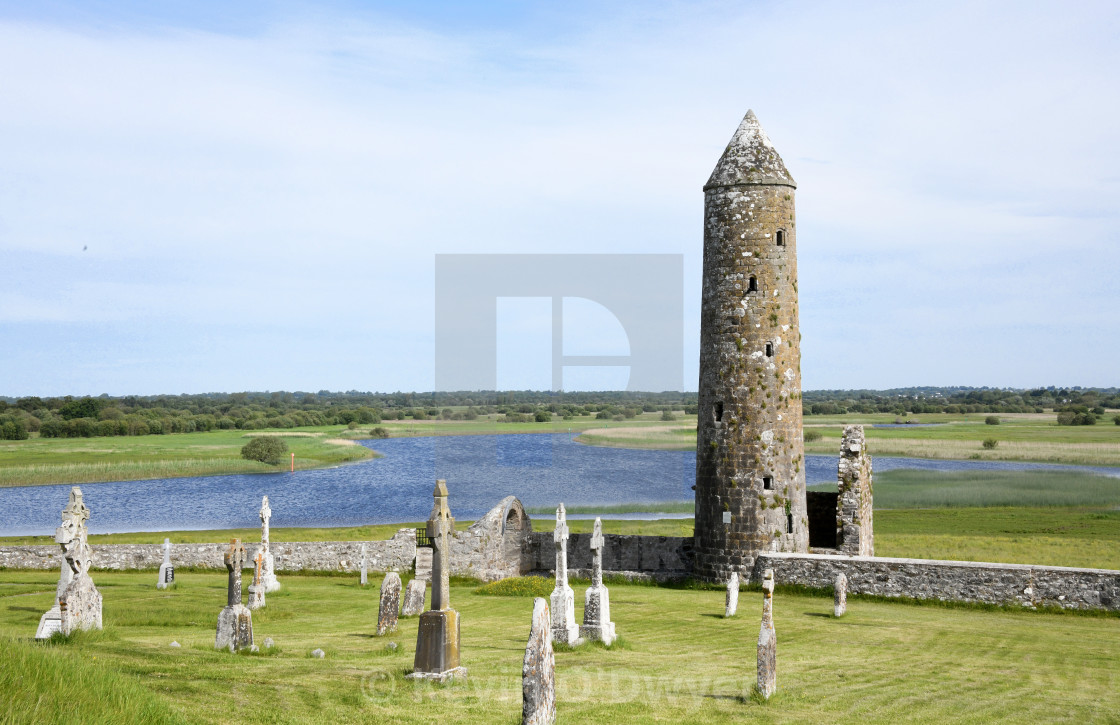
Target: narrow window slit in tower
719,412
752,285
769,349
789,523
781,238
767,483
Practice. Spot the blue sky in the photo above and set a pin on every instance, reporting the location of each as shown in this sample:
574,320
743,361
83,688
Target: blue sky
204,198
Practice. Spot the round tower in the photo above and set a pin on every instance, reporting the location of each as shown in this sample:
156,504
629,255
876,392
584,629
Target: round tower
750,457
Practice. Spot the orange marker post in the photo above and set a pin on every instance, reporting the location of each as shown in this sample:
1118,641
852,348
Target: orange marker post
293,463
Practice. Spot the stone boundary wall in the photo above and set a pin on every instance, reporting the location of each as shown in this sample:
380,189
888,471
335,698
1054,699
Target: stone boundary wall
395,554
657,557
961,581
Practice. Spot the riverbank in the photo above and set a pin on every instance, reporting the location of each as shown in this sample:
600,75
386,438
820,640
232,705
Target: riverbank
46,461
1028,437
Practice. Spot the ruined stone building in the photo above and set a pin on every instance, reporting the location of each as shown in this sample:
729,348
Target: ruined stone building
750,475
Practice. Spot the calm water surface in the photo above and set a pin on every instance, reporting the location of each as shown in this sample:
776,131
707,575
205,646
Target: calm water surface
541,470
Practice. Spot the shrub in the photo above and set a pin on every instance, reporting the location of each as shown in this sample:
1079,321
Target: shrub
542,416
992,420
1071,418
812,435
1116,419
990,443
667,415
378,432
266,449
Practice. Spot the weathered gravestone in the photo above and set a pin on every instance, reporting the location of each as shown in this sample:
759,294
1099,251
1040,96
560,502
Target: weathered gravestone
256,589
597,624
235,623
414,598
731,605
78,601
389,604
564,628
437,637
365,572
538,673
166,571
767,640
268,566
840,595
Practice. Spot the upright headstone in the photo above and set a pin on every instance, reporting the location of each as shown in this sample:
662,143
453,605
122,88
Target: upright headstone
564,628
538,673
51,621
365,571
597,624
256,589
840,595
166,571
732,602
389,604
268,567
79,602
235,623
767,640
437,637
414,598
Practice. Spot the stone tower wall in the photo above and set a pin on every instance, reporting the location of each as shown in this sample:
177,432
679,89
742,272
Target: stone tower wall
750,401
854,531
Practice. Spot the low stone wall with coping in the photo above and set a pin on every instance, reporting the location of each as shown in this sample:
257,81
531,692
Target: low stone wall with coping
661,558
961,581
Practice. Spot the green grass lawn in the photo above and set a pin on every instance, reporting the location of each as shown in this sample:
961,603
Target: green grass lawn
678,662
1020,437
41,461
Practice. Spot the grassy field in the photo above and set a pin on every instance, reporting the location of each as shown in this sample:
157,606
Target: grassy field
1020,437
678,661
41,461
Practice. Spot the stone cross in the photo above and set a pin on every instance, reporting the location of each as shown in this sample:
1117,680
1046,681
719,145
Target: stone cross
767,640
596,554
256,589
538,672
597,624
266,515
166,572
564,627
840,595
235,559
440,525
72,535
560,538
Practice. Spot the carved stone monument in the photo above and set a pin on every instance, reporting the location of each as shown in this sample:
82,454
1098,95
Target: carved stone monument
268,567
597,624
767,640
538,673
564,628
414,598
166,571
51,621
732,602
840,595
79,602
235,623
256,589
437,637
365,571
389,604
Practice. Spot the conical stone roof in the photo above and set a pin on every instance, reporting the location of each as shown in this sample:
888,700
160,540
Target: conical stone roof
750,159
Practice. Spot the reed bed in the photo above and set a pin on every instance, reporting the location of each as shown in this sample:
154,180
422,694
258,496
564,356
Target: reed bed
52,473
1082,454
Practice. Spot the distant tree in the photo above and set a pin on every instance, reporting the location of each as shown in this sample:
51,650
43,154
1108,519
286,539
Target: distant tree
812,435
542,416
992,420
266,449
85,408
1116,419
667,414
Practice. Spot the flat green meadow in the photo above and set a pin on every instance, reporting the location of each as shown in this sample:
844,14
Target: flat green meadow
678,660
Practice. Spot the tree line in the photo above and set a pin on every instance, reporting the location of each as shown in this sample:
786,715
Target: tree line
131,415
